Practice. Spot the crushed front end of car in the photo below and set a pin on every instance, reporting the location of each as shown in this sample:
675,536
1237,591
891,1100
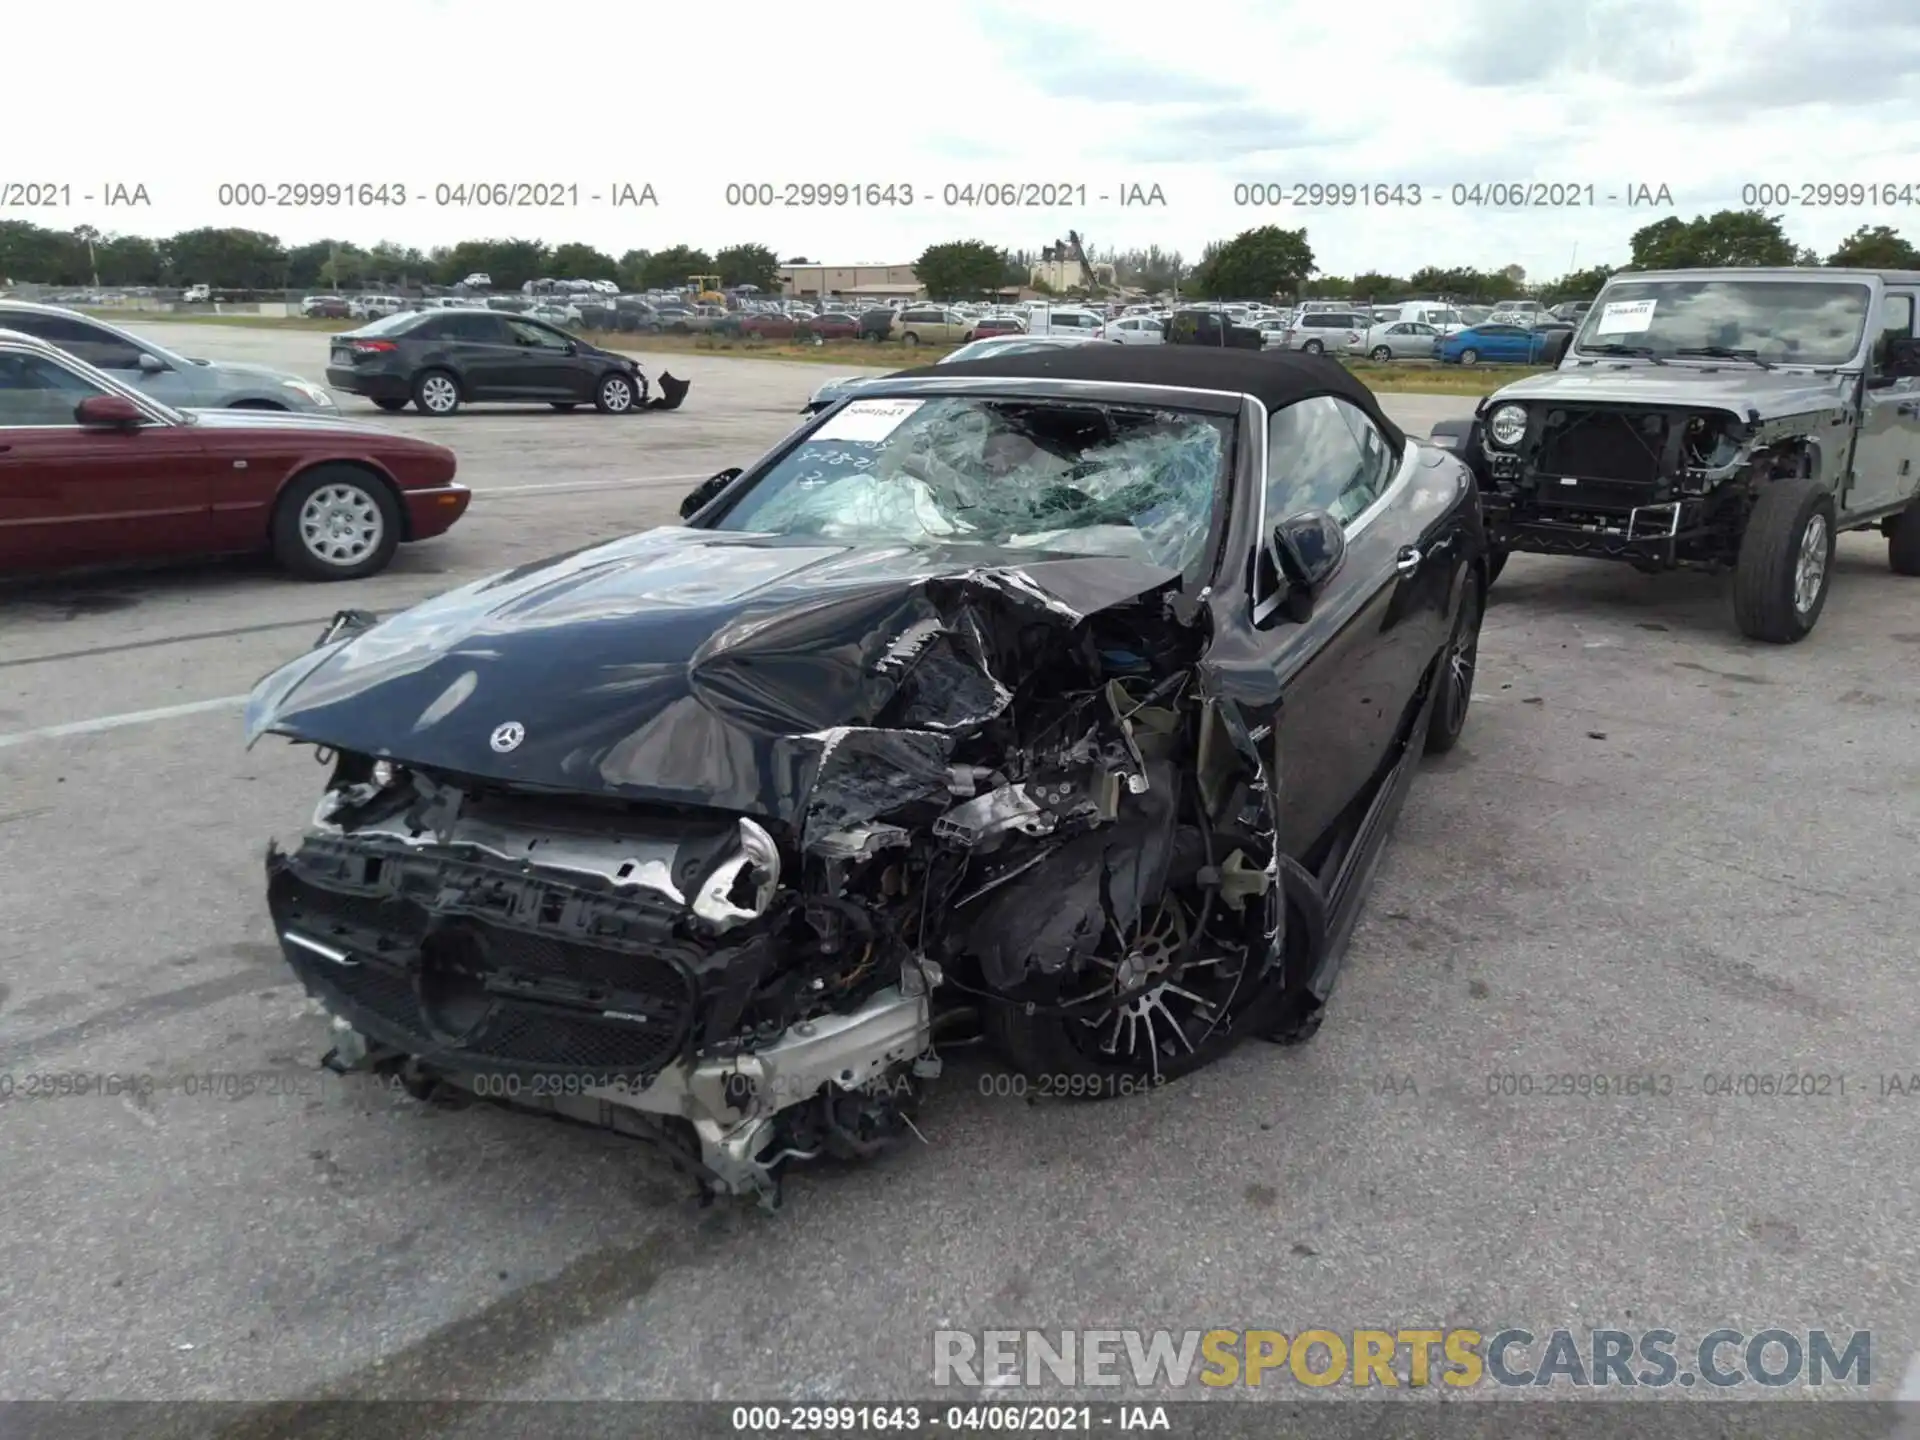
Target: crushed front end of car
723,881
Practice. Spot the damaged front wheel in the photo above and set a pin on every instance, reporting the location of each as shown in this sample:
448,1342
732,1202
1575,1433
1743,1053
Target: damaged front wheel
1153,1006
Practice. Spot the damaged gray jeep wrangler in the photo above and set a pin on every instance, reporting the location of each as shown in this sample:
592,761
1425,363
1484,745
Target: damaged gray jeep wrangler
1720,420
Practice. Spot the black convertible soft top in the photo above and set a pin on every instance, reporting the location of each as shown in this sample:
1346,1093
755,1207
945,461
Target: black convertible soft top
1275,378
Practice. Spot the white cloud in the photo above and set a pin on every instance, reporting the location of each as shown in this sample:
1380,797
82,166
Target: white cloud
1699,96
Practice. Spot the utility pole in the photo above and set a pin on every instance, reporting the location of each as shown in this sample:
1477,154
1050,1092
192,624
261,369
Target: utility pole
89,234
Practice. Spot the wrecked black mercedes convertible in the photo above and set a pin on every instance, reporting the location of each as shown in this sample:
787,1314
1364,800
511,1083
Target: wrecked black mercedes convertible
1065,698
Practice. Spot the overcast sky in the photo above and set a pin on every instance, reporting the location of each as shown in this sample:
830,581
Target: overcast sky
1700,96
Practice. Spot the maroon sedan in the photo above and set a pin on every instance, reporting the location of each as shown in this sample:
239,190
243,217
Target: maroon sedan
770,326
834,325
996,325
94,473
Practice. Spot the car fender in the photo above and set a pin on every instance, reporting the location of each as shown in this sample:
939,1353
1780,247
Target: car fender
249,395
1461,439
357,462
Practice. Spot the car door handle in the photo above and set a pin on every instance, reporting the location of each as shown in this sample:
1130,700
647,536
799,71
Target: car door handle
1408,561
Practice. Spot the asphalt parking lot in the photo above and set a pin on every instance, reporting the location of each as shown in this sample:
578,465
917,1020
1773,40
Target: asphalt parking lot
1660,851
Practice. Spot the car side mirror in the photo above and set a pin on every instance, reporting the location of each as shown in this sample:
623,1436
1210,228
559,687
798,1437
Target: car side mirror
108,412
698,497
150,364
573,347
1309,547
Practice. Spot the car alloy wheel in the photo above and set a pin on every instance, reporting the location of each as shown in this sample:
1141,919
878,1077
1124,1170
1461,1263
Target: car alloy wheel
1313,347
1810,566
615,396
1469,357
341,525
1457,665
1165,1000
1382,353
439,395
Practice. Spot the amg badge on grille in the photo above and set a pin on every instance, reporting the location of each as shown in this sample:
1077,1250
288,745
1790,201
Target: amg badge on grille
508,736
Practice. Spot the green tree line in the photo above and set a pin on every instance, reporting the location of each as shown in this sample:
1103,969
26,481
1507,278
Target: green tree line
253,260
1272,261
1266,261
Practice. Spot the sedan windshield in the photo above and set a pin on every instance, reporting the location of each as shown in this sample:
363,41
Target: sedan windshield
1025,474
1789,322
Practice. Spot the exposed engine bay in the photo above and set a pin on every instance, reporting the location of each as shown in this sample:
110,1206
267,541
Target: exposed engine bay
1661,485
1044,829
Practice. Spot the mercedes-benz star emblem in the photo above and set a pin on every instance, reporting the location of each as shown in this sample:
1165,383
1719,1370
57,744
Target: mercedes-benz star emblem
508,736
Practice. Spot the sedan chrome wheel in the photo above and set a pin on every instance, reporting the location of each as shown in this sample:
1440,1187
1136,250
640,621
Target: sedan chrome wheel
1810,566
439,395
341,525
616,394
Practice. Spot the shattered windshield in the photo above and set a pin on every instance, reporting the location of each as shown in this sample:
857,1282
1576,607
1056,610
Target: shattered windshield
1786,322
1077,478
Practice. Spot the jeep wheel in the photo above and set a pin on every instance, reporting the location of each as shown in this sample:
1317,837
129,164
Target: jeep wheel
1903,541
1785,569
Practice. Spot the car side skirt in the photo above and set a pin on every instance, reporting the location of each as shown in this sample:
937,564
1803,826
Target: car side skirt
1352,881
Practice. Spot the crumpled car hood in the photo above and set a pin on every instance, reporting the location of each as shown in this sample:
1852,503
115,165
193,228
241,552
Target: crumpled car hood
1733,386
700,667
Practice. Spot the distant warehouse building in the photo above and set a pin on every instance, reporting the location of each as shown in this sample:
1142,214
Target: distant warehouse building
863,282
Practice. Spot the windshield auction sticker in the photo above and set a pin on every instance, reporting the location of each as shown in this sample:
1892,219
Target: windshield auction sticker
1625,317
867,421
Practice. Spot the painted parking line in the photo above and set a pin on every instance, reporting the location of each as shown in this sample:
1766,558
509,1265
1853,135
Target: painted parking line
117,722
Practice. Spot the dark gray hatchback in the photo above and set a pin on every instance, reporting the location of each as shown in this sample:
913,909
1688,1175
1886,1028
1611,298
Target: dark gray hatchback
443,359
